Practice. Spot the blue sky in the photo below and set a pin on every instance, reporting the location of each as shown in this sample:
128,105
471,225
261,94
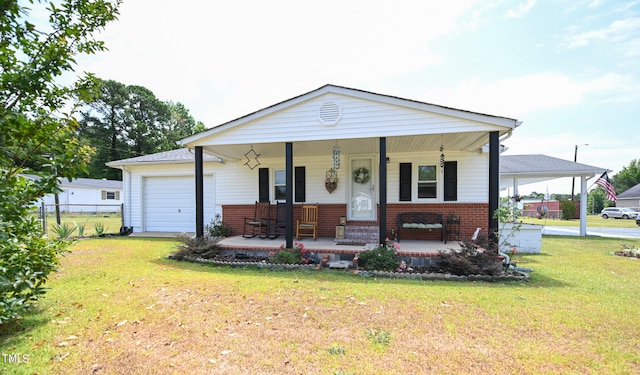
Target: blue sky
570,70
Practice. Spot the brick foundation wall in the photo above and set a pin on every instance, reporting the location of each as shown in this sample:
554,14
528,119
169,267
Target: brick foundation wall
472,216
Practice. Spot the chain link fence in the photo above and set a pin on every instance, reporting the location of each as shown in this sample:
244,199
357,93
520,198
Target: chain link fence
81,220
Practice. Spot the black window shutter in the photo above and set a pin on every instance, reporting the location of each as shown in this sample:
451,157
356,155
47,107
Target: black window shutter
263,184
300,184
450,180
405,181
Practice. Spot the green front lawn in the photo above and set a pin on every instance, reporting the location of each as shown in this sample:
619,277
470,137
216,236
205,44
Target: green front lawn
118,306
593,221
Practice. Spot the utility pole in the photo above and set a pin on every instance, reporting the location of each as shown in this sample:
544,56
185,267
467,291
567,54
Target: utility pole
575,160
56,197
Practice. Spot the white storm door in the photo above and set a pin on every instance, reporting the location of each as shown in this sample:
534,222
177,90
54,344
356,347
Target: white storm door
361,200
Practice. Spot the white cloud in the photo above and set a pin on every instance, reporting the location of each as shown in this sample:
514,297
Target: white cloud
516,97
616,32
521,10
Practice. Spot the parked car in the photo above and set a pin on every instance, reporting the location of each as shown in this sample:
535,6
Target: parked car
618,213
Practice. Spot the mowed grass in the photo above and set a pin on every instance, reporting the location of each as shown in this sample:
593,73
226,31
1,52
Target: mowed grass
110,222
593,221
118,306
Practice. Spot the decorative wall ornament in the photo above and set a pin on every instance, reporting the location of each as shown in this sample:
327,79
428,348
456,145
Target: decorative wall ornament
361,175
441,158
252,159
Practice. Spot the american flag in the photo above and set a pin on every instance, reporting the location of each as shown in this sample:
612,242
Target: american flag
606,185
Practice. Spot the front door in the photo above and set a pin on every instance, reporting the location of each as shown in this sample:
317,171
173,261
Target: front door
361,191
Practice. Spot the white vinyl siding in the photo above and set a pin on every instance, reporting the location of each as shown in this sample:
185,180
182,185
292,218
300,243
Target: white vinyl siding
301,123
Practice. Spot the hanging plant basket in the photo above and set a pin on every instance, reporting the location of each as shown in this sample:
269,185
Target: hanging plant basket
330,186
331,180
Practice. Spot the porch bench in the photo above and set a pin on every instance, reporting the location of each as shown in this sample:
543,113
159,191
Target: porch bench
421,221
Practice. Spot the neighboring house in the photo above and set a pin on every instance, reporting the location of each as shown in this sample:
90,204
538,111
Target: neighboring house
391,155
86,195
629,198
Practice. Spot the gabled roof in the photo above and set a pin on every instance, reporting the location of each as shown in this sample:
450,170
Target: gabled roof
182,155
389,99
631,193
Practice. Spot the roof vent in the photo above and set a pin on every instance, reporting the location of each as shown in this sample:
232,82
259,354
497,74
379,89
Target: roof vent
329,113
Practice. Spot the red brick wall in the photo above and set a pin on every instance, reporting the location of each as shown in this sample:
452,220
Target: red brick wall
472,216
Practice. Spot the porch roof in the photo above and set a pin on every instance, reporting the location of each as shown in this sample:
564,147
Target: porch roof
361,117
530,169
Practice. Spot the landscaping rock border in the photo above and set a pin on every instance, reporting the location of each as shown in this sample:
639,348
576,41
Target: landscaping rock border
513,275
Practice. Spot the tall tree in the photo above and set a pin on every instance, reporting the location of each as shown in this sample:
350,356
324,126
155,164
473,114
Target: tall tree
135,123
627,178
103,128
34,122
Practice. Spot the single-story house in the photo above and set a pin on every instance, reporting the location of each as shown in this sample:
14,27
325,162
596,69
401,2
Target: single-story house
86,195
629,197
390,155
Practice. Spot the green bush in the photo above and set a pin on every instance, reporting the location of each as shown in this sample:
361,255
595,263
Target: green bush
296,255
27,256
568,209
218,228
382,258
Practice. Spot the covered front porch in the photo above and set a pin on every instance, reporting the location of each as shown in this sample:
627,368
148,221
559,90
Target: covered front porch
379,152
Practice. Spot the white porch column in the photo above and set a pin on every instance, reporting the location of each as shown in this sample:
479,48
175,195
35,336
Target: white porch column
583,206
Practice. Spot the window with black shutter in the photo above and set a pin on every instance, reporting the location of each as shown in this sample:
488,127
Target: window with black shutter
263,184
450,180
405,181
300,190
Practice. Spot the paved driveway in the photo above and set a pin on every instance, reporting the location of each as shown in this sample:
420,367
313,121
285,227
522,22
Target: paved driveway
602,232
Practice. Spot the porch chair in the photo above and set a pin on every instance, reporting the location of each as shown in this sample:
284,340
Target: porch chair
277,225
257,225
307,225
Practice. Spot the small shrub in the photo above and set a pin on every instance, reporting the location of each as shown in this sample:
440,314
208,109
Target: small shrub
202,247
382,258
64,230
296,255
470,259
218,228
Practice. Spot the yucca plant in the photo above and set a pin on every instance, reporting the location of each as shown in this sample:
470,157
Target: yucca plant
64,230
99,228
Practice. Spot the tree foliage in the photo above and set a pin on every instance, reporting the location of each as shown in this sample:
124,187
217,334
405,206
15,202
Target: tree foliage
627,178
36,118
127,121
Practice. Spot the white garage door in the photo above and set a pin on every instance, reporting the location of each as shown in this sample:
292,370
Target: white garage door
169,204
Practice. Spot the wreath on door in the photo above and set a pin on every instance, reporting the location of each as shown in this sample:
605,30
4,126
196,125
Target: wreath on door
361,175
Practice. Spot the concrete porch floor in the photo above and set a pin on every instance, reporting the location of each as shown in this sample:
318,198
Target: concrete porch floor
323,245
329,246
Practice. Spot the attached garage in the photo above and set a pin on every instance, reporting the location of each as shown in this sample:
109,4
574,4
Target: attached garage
159,191
170,204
